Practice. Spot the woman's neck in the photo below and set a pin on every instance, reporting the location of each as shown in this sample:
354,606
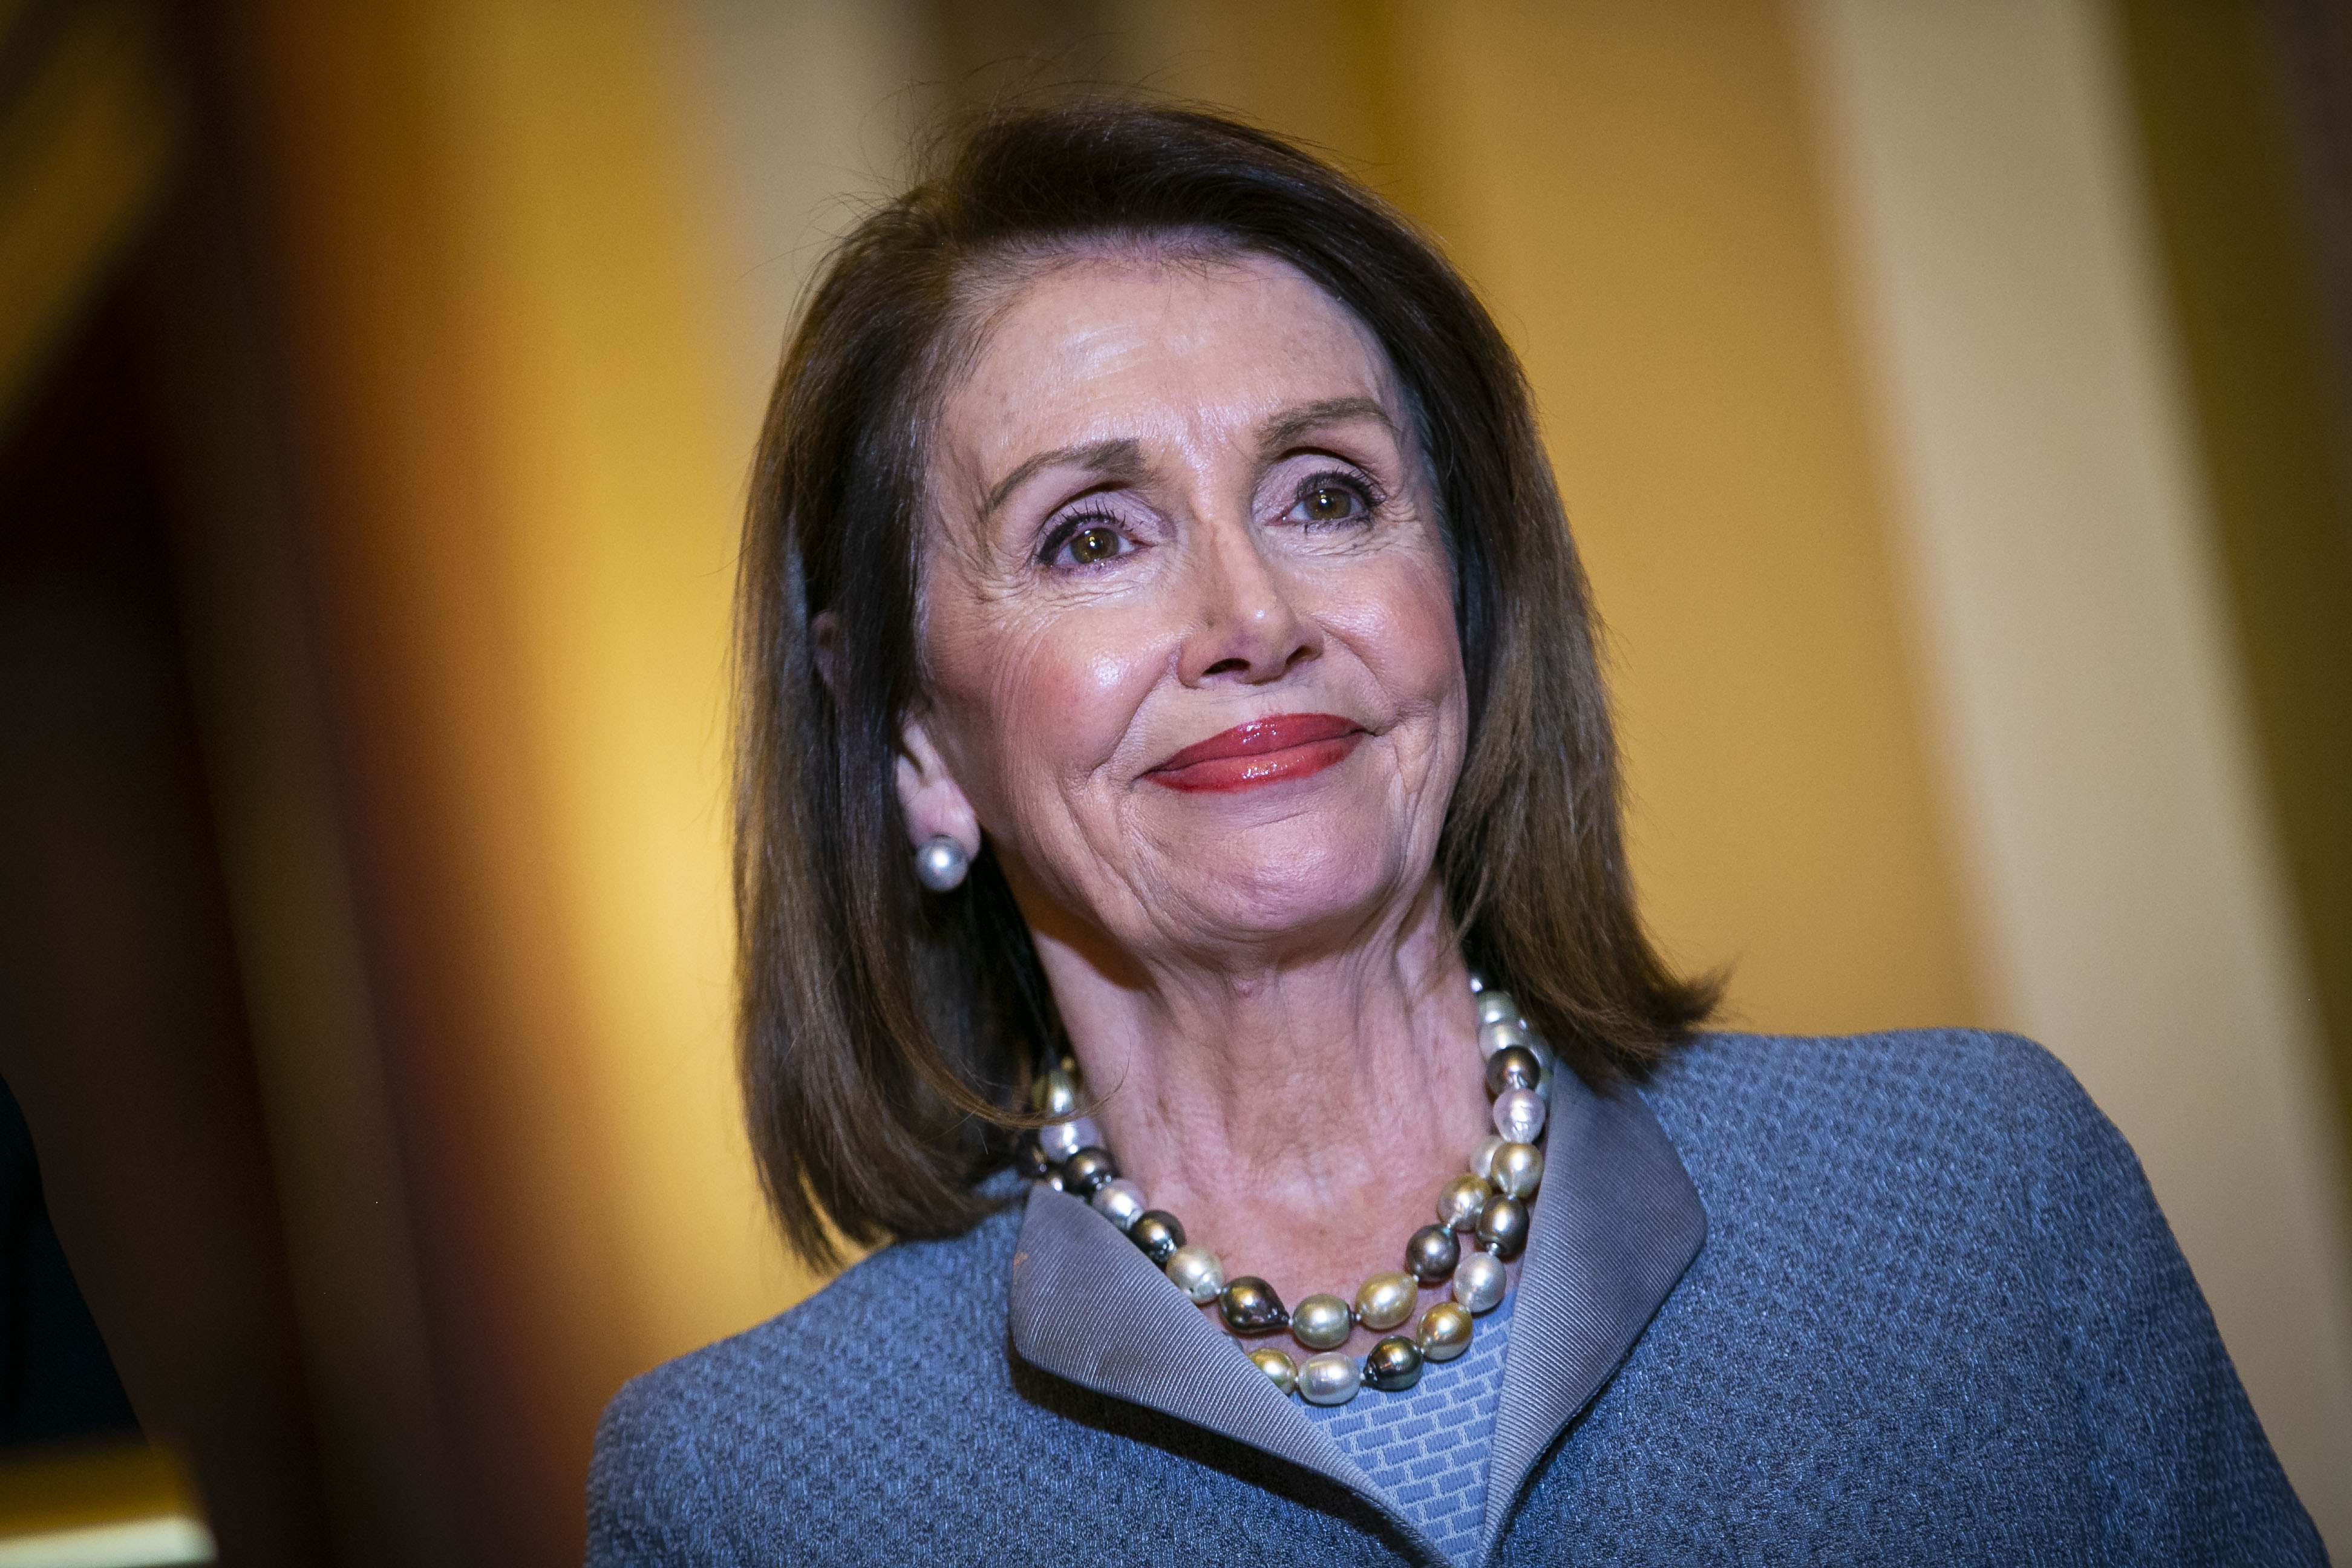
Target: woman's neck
1300,1118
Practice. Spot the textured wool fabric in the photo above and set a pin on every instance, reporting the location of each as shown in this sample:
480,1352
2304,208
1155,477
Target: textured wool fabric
1427,1447
1937,1317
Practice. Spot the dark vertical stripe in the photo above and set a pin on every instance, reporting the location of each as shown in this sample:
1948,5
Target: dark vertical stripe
2244,256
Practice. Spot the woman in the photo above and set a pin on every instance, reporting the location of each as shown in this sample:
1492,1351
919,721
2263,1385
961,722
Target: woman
1170,687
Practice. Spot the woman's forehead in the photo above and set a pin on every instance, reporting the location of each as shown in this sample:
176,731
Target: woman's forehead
1153,349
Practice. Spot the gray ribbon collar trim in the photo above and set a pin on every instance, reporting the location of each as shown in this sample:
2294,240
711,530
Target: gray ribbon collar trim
1615,1227
1088,1307
1606,1246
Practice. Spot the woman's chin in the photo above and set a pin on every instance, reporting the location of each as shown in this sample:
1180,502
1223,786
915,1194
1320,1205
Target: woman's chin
1253,888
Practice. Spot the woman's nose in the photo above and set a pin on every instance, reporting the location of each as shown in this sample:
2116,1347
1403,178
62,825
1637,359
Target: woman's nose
1246,626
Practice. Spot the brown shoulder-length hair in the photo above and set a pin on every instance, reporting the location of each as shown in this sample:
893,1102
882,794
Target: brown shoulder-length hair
887,1033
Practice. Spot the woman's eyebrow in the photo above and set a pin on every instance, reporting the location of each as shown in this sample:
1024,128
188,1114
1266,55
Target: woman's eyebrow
1292,423
1101,457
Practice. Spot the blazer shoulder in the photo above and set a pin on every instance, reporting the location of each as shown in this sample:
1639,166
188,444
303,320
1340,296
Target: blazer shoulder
905,1288
688,1449
673,1441
1902,1091
1976,1067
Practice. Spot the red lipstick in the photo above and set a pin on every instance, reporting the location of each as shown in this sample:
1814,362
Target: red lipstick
1262,752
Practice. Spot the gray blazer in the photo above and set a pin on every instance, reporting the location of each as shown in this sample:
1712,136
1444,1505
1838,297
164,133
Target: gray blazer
1892,1299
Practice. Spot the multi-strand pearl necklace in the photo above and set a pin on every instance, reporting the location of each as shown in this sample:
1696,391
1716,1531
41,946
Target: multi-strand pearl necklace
1486,1206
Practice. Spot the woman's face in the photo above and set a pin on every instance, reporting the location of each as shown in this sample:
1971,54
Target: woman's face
1188,617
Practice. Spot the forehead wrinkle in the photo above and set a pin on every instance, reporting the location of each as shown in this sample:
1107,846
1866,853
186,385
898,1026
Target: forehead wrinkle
990,287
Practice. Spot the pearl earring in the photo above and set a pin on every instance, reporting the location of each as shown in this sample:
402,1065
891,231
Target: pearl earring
940,864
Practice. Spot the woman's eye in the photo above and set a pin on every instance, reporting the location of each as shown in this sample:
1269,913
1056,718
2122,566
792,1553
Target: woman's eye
1327,500
1096,541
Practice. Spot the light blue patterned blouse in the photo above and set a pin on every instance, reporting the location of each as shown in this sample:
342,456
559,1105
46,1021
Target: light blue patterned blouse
1427,1447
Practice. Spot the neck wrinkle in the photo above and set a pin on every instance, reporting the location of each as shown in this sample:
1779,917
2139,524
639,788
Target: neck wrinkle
1299,1121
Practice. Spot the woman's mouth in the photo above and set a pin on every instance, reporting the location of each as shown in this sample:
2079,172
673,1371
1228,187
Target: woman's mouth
1262,752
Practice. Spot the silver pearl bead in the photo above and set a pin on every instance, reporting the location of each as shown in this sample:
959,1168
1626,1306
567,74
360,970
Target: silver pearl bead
1087,1171
1519,1115
1119,1202
1478,1282
1503,1227
1249,1306
1321,1322
940,864
1444,1331
1518,1170
1030,1160
1197,1273
1496,1007
1279,1369
1063,1138
1512,1067
1431,1253
1493,1037
1159,1234
1478,983
1395,1365
1386,1300
1482,1158
1459,1201
1329,1379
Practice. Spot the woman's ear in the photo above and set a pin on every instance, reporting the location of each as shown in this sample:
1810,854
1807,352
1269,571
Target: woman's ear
934,802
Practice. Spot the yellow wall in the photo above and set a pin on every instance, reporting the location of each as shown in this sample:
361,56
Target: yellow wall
610,539
520,323
2062,532
525,497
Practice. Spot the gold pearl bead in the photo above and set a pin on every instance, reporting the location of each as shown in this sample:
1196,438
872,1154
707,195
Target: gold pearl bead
1321,1322
1384,1300
1518,1170
1482,1157
1278,1368
1459,1201
1055,1093
1198,1273
1444,1331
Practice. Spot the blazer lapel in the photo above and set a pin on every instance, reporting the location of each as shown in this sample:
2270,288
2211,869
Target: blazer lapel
1617,1224
1087,1305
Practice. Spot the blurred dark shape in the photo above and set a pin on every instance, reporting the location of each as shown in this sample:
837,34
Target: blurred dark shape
125,1036
57,1382
2245,122
2308,59
162,828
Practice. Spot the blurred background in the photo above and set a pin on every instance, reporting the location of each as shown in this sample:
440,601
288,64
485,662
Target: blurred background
1953,400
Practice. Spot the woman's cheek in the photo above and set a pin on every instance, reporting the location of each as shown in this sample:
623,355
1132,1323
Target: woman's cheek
1062,694
978,687
1402,622
1093,674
